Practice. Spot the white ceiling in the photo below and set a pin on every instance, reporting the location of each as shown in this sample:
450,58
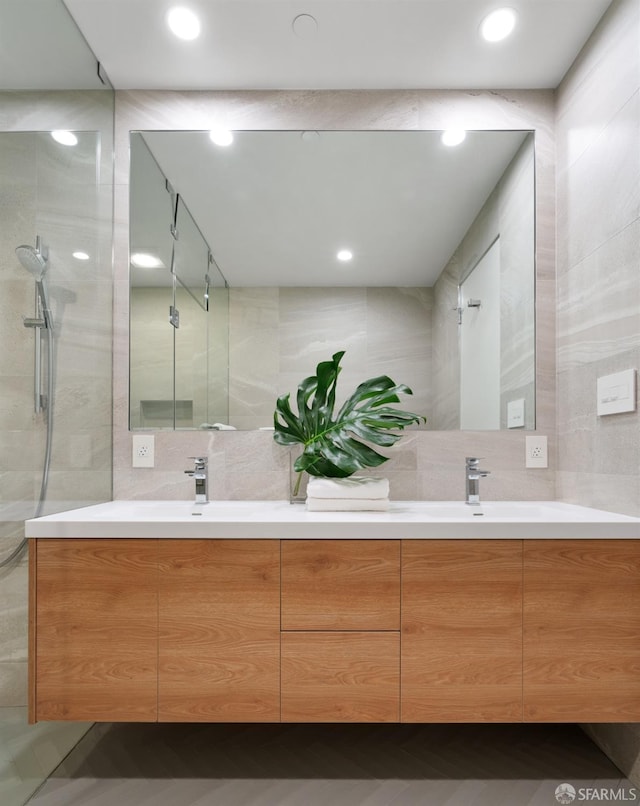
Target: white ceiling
366,44
250,44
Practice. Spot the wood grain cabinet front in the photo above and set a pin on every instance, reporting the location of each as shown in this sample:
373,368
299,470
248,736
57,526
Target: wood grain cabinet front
124,630
340,676
93,630
219,631
461,631
341,585
341,630
582,630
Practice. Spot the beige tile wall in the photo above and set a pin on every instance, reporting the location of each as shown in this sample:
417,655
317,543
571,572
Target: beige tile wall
598,175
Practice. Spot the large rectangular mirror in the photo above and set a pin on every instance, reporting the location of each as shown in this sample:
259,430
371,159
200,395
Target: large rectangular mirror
244,291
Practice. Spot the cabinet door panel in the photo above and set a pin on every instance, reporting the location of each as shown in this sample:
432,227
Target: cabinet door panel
340,676
219,647
461,630
341,585
582,630
95,647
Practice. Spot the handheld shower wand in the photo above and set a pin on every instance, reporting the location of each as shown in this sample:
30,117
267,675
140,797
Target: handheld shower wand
35,261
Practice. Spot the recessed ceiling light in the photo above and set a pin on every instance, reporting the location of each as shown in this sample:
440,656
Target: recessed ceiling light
498,25
145,260
221,137
344,255
80,256
453,137
65,138
183,23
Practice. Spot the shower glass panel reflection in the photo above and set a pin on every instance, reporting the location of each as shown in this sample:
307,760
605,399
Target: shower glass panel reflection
179,323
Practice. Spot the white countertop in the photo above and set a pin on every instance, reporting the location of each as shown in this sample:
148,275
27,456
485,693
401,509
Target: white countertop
279,519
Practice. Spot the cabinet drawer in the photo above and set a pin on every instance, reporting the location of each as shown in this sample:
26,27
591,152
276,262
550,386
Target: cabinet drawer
340,677
340,584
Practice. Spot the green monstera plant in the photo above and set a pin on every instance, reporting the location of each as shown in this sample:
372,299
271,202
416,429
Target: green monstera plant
334,444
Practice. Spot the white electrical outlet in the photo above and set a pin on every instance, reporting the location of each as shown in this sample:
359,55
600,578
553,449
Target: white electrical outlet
143,450
536,452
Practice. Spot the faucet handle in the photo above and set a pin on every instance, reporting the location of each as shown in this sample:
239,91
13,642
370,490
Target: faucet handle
473,460
200,462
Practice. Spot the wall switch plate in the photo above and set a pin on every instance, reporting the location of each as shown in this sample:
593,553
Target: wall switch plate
515,413
536,452
616,393
143,451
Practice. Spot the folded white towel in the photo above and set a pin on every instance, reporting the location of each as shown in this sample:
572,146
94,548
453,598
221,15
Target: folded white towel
347,504
350,488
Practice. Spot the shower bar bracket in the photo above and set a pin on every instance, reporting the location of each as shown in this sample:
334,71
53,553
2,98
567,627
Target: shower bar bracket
39,400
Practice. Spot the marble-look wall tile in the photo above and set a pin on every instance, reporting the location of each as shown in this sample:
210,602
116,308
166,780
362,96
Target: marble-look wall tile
603,444
13,683
600,81
599,302
609,169
13,606
598,128
17,163
621,743
598,255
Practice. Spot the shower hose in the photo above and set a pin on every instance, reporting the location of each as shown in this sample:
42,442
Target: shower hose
18,551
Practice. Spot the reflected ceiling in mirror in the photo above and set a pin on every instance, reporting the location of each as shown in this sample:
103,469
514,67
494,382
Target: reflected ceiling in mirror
277,206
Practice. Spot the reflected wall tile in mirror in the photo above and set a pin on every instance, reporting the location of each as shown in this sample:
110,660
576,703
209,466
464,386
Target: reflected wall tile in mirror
254,363
316,322
445,399
399,341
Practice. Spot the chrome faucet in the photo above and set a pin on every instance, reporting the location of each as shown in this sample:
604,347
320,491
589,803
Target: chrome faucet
200,474
473,474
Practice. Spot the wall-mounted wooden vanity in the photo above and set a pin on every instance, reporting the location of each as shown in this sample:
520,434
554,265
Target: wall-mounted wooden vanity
334,629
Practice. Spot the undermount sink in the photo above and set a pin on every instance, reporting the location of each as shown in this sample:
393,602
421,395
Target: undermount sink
279,519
